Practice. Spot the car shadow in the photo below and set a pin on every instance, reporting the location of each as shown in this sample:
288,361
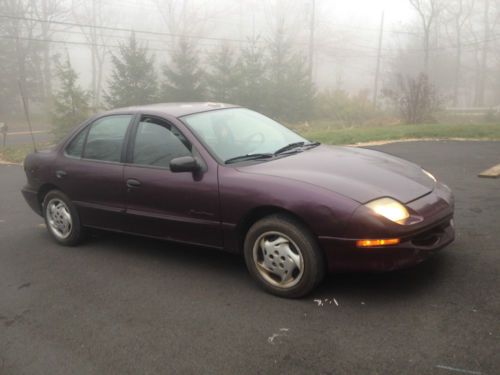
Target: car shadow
395,285
191,256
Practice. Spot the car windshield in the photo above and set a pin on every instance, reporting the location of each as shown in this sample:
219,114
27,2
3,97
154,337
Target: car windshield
239,134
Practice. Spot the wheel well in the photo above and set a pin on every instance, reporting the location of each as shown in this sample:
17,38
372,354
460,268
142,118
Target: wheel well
259,213
44,189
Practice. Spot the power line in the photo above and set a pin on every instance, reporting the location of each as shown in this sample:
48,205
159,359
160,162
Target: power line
120,37
73,24
158,33
73,42
362,48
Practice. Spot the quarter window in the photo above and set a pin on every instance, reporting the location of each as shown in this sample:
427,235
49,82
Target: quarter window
157,143
75,147
105,139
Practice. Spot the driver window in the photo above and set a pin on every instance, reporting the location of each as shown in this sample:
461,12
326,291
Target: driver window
157,143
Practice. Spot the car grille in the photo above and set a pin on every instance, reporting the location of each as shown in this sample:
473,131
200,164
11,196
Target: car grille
431,237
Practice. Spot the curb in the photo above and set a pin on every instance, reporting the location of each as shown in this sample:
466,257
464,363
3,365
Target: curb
380,143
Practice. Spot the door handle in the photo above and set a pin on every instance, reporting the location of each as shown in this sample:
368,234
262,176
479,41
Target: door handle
133,183
61,174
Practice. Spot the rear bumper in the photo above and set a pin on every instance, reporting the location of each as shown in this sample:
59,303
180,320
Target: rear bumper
31,197
343,255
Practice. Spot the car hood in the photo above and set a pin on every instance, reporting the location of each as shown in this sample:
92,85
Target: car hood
357,173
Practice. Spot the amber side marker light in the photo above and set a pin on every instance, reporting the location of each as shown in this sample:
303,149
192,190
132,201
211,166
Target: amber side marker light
373,243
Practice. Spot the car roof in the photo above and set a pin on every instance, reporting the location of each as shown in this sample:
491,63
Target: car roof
176,109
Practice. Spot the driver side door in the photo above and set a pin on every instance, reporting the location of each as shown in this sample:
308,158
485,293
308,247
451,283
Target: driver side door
182,206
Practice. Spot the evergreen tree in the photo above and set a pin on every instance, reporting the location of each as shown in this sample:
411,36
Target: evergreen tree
252,90
133,80
71,102
184,77
290,88
222,77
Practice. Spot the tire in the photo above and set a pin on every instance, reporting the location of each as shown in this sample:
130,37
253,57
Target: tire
62,219
283,256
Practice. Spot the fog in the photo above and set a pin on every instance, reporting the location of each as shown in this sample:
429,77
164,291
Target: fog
365,49
346,32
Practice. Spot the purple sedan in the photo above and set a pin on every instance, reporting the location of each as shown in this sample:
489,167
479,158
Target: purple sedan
226,177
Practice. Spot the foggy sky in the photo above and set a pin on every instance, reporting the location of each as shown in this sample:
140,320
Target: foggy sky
353,23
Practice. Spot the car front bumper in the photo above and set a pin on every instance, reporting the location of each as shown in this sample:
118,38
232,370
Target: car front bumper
343,255
417,242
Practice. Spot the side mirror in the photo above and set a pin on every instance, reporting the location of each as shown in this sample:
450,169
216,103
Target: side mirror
184,164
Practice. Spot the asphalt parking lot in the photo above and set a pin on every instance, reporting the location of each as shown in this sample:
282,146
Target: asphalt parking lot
125,305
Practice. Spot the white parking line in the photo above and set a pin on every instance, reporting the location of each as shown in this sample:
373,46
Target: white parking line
458,370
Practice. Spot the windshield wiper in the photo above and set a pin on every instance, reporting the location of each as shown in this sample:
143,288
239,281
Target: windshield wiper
289,147
248,157
295,145
312,144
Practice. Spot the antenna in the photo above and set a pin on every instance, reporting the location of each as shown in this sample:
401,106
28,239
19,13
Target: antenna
26,112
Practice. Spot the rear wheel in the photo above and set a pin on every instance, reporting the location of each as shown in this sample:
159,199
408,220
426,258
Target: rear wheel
283,256
61,219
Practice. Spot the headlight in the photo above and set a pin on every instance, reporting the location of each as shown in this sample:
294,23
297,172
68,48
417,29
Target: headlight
390,209
430,175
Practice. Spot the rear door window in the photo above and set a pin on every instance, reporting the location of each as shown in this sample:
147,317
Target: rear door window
105,138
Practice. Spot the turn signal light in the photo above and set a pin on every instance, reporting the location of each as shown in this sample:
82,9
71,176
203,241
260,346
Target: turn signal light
373,243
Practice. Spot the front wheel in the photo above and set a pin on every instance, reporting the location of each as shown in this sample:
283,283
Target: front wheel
283,256
61,219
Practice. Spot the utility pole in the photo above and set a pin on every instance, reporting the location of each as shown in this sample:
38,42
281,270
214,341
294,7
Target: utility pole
379,56
311,39
24,98
482,73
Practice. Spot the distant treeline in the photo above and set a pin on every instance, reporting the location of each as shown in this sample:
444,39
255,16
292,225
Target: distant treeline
269,77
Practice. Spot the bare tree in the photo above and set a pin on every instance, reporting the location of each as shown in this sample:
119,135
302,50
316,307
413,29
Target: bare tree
21,53
92,13
183,19
415,98
460,12
489,21
428,12
29,25
47,11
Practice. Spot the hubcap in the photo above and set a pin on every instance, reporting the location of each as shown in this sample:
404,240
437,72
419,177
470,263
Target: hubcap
278,259
59,218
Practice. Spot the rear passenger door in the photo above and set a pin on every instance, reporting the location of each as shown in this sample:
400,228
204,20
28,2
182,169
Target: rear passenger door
91,174
176,206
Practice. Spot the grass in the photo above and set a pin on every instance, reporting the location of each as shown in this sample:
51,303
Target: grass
342,136
399,132
17,153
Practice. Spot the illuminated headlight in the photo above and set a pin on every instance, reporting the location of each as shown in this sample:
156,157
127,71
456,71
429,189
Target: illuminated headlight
430,175
390,209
